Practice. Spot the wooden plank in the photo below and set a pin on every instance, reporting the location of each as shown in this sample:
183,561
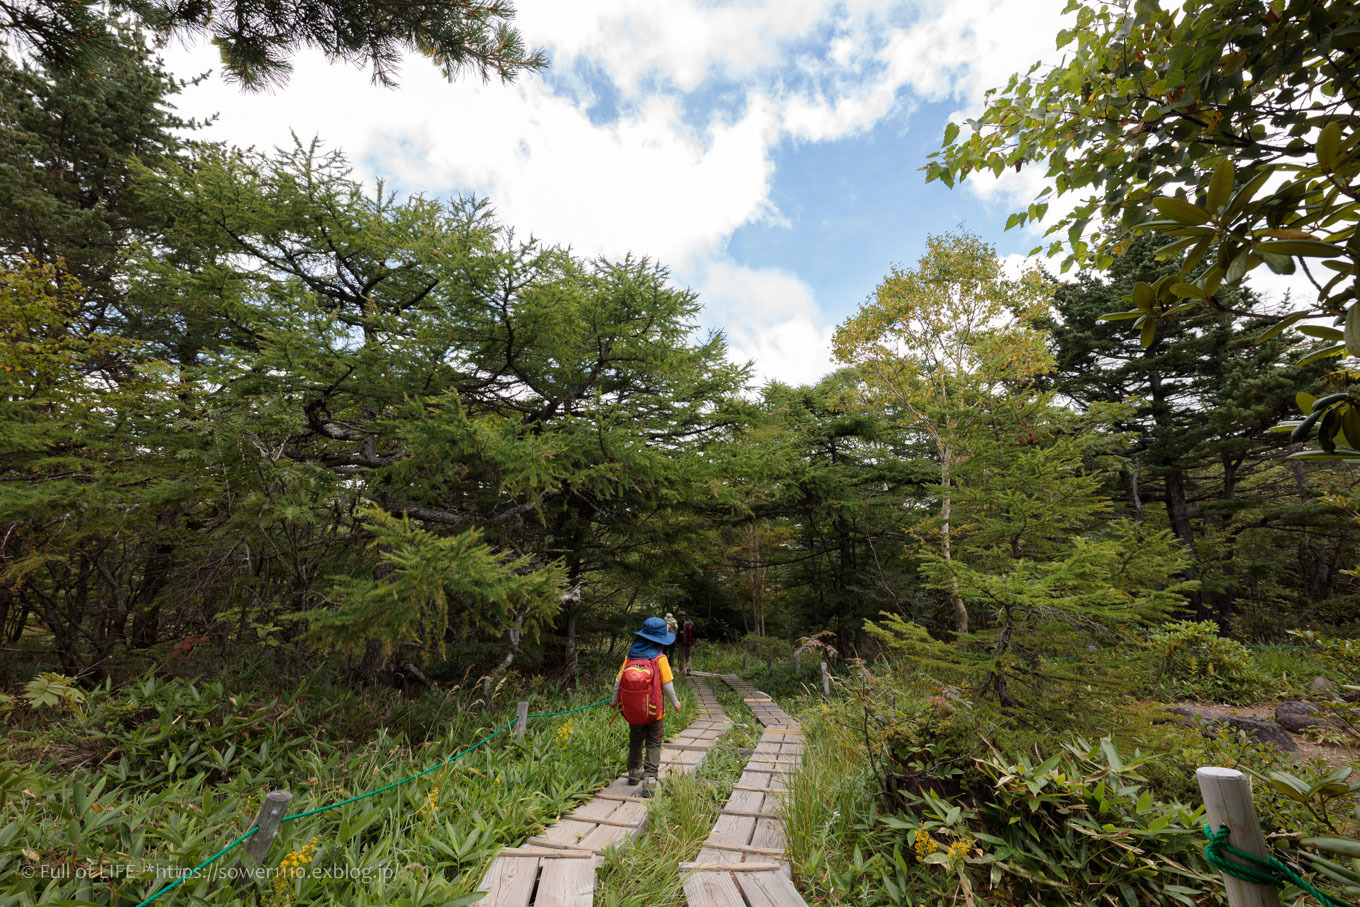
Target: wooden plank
536,852
769,889
730,867
731,830
510,883
617,822
744,848
769,833
538,841
619,799
737,812
745,801
713,889
757,700
760,790
566,883
783,730
569,831
597,809
608,836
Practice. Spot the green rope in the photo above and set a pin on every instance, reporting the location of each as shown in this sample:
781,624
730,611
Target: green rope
569,711
1258,871
207,862
321,809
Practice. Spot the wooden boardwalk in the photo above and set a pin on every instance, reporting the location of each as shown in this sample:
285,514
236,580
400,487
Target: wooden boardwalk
742,862
557,868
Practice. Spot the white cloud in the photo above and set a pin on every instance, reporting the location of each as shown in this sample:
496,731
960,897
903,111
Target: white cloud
699,97
771,318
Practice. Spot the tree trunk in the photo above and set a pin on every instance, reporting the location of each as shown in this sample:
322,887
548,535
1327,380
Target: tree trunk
955,599
570,603
1178,510
1135,495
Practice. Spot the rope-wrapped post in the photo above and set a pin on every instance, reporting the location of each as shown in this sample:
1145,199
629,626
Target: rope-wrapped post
826,681
267,822
1227,801
521,720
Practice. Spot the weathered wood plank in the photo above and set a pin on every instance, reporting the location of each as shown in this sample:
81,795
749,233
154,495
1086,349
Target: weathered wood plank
769,889
713,889
769,832
510,881
743,848
731,830
566,883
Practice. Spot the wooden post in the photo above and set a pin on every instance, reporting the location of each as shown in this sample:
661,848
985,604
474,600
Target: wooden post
1227,801
256,846
826,681
521,720
798,661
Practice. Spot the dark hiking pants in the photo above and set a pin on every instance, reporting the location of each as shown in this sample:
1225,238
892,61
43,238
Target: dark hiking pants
638,734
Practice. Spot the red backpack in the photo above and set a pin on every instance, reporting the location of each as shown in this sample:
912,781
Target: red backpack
687,632
640,691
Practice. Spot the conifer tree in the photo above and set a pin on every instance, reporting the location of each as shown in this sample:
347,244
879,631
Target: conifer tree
1038,554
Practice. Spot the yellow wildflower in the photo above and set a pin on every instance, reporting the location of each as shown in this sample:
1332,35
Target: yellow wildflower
925,844
429,810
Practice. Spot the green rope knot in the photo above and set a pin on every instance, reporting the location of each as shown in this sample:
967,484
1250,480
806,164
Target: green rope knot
1257,870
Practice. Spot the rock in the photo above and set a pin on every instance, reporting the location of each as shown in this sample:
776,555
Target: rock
1326,689
1297,716
1322,686
1265,732
1258,730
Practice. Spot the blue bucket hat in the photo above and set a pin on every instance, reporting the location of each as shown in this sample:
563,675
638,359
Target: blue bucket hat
654,630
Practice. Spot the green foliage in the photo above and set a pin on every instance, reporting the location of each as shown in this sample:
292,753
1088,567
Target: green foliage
939,345
71,135
765,648
1193,661
425,577
950,806
257,37
1229,129
162,776
48,689
1077,827
1034,553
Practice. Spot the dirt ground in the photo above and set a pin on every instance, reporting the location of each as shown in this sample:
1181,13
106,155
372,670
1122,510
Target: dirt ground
1336,755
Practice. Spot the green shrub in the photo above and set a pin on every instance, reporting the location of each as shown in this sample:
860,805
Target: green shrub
1195,662
1079,827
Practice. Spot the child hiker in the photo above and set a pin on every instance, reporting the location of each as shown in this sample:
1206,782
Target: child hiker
638,690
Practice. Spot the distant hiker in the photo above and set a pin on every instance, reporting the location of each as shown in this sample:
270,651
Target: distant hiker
686,634
671,627
638,690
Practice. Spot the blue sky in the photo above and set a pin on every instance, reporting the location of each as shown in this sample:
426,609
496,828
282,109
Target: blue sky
768,151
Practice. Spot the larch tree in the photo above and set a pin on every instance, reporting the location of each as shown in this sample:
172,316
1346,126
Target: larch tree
257,38
942,343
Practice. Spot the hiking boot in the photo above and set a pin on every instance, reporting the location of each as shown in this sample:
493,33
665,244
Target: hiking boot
635,778
648,787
